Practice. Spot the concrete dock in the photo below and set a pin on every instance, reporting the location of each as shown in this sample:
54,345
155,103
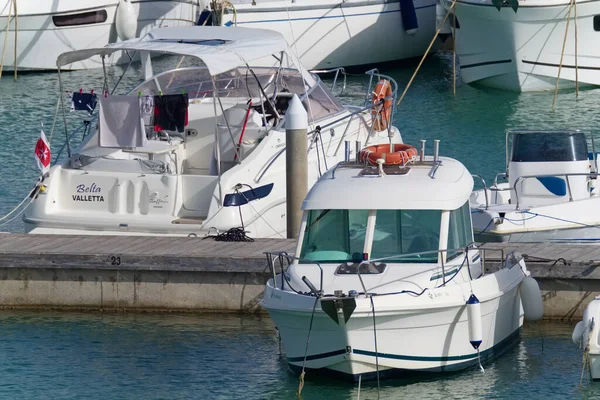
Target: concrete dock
146,273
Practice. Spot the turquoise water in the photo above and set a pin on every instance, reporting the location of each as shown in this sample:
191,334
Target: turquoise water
470,125
144,356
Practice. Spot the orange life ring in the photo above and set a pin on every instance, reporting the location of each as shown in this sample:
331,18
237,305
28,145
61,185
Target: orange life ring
402,154
381,114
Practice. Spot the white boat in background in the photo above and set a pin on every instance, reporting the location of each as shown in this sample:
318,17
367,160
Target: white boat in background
521,51
44,29
386,278
586,336
337,33
226,168
551,193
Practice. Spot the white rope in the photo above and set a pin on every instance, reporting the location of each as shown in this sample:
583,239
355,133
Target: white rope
35,192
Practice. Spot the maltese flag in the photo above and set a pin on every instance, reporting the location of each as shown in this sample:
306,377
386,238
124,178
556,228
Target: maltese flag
42,153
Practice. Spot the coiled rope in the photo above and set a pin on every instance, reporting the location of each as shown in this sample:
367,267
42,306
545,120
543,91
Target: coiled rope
237,234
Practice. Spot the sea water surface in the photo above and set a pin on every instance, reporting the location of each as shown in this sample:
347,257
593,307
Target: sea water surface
132,356
45,355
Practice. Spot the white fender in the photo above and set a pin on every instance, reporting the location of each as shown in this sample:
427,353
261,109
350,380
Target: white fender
474,316
126,20
531,297
578,333
440,13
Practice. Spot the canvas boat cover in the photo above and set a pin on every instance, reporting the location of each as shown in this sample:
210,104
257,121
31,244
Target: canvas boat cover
221,49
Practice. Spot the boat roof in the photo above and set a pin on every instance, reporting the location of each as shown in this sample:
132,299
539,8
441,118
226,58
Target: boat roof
345,188
221,49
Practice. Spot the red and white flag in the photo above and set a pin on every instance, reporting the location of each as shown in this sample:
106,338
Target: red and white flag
42,153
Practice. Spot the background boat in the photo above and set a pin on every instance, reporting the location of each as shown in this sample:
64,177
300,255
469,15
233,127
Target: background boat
43,30
336,33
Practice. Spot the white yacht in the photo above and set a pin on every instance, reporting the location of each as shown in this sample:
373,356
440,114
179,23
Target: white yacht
336,33
550,191
38,31
387,278
226,168
523,50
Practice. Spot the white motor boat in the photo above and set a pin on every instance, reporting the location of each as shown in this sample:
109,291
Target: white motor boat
42,30
586,336
551,192
225,169
387,278
523,50
337,33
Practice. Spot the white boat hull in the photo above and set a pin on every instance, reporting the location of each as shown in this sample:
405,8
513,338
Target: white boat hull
567,221
40,41
587,336
414,333
327,34
522,51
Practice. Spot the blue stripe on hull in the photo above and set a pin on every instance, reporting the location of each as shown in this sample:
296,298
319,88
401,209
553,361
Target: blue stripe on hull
470,360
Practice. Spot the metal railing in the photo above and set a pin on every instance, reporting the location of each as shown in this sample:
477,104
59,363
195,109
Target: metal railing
284,260
338,71
495,188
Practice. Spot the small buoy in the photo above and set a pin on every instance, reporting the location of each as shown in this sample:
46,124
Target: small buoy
126,20
474,316
531,297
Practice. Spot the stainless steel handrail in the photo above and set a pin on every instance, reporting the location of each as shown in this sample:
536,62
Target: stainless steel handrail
592,175
485,189
338,71
504,259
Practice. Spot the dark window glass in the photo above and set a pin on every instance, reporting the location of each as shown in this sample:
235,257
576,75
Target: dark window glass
545,146
597,23
86,18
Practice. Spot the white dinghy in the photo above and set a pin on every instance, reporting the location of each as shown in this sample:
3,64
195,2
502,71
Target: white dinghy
387,278
223,169
551,192
336,33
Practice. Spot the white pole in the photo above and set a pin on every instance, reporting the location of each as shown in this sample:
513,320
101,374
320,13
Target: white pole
296,160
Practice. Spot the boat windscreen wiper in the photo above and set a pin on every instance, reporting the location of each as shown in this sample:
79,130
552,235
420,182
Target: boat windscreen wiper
321,215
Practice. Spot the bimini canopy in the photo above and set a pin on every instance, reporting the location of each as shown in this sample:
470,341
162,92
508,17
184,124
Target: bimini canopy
221,49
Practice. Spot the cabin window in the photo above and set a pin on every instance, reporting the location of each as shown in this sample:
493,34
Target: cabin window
540,147
399,232
86,18
334,235
460,232
597,23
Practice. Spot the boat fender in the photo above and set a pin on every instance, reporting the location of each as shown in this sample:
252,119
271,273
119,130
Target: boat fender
531,297
126,20
409,17
474,317
445,28
578,333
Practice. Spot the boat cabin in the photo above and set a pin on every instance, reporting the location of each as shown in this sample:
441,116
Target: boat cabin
405,216
548,167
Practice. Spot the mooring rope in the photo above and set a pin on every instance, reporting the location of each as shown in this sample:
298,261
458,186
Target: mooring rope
562,54
237,234
426,52
301,379
31,196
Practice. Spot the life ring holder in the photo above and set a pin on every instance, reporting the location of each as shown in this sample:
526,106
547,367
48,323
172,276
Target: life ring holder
381,113
402,154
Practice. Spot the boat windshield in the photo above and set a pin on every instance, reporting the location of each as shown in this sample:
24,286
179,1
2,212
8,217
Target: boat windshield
277,83
333,236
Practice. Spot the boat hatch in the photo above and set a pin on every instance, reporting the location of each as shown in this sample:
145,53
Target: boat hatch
365,268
